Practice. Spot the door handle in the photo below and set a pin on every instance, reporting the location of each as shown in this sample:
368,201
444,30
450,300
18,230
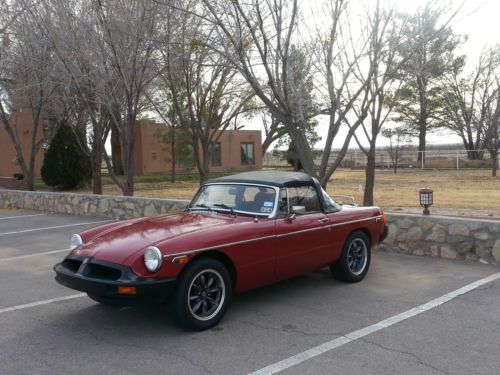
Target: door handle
324,220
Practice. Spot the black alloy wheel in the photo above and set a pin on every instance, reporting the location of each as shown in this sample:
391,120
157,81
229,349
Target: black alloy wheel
202,295
355,259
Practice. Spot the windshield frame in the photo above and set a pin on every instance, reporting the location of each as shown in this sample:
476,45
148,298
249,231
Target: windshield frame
271,215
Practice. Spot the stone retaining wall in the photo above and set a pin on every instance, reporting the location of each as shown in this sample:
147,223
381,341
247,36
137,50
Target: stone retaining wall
436,236
106,206
445,237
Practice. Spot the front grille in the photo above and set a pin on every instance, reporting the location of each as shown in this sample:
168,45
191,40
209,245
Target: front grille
97,271
72,264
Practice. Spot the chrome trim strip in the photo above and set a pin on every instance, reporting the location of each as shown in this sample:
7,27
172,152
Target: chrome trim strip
355,221
301,231
269,237
220,246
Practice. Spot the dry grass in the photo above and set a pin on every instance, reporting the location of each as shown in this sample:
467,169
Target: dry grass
462,189
455,192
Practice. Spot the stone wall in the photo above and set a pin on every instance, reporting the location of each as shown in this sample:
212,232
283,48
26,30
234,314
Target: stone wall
445,237
106,206
436,236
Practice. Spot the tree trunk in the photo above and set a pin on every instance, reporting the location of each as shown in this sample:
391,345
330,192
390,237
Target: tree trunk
96,159
203,167
173,150
370,178
421,141
96,176
422,118
116,150
494,163
127,144
29,181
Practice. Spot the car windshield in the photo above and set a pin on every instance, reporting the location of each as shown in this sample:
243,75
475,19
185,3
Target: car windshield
249,199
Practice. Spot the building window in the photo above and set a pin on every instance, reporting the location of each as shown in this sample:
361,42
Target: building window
215,158
247,154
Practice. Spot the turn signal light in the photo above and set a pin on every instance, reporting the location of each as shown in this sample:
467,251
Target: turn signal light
183,259
127,290
384,218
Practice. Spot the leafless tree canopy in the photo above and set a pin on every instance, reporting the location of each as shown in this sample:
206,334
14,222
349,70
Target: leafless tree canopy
202,65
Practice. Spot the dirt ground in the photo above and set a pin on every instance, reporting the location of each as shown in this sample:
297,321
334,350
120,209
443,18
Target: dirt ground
456,193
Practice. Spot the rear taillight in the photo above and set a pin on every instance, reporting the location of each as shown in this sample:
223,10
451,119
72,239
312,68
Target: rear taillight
384,218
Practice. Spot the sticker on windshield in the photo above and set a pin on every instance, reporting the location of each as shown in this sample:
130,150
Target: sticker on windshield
266,210
269,204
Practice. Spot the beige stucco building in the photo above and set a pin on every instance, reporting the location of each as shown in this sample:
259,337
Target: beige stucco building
22,121
236,150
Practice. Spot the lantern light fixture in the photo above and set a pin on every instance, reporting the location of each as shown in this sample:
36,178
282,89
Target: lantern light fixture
426,199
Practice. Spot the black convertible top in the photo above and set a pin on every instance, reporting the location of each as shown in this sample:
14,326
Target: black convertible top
272,178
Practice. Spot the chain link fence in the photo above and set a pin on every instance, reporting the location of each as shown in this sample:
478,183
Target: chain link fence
431,159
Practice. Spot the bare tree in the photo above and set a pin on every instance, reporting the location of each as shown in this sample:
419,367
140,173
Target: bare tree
30,80
466,100
384,33
258,38
492,129
120,36
398,138
206,91
273,130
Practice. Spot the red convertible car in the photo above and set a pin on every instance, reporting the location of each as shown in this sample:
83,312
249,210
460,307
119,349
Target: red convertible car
239,232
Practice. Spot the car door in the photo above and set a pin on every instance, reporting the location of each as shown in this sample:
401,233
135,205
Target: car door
302,239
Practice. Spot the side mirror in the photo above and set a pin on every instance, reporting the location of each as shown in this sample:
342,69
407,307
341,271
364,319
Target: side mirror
299,210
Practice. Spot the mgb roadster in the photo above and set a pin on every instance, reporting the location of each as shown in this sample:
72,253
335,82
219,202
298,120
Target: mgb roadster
239,232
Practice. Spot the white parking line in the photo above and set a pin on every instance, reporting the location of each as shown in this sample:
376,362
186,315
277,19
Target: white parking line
32,255
356,335
39,303
21,216
56,227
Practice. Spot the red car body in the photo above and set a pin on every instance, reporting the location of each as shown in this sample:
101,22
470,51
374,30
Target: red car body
256,249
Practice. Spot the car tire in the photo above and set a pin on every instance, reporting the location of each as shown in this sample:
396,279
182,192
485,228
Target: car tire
103,300
355,259
202,294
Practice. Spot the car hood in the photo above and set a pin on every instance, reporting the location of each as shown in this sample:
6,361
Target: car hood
116,244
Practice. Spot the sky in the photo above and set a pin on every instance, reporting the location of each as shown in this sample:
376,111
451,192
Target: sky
479,19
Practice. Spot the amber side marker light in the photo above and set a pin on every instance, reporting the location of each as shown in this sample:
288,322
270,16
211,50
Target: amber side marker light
384,218
183,259
127,290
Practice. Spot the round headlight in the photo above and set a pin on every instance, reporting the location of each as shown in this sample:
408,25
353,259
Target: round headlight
152,259
75,241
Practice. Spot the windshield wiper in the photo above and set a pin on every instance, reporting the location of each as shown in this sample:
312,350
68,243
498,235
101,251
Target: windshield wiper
201,206
222,205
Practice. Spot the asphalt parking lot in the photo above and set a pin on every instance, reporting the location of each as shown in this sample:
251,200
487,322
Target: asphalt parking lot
411,315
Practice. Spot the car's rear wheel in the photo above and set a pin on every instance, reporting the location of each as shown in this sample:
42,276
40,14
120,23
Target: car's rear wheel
202,294
354,261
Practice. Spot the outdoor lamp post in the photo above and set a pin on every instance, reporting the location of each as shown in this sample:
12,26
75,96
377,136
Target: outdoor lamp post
426,199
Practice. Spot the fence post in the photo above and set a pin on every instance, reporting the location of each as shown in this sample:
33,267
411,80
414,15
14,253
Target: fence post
423,156
355,159
457,161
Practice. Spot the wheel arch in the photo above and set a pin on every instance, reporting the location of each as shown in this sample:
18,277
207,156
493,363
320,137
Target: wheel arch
365,231
221,257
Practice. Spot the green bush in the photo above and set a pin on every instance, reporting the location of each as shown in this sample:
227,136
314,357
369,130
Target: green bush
65,164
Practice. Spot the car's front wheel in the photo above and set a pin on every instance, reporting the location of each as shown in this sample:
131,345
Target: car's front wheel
202,294
354,260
